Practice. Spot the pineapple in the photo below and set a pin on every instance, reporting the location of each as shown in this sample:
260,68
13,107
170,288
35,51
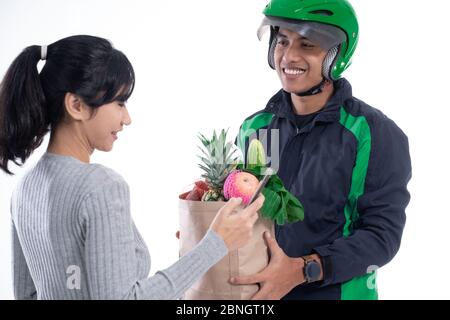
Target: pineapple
217,162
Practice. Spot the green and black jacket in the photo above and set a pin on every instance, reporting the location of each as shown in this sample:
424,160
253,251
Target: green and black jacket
349,167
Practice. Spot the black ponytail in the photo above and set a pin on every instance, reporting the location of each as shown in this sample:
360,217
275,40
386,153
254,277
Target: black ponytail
31,104
23,122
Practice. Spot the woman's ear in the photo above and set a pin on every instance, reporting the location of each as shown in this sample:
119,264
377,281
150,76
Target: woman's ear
76,108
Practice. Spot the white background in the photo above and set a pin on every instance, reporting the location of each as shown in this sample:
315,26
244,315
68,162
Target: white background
200,67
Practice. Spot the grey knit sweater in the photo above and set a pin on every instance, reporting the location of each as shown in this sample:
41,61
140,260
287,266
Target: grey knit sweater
74,238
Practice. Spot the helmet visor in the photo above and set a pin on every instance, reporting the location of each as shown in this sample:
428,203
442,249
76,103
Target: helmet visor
324,35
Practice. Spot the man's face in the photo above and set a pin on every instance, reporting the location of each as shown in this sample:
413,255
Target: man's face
298,61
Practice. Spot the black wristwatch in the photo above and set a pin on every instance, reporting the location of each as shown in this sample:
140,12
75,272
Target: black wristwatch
311,270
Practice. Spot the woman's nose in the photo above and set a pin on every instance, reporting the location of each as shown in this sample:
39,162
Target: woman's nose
126,119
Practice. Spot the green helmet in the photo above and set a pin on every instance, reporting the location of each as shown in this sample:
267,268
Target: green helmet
331,23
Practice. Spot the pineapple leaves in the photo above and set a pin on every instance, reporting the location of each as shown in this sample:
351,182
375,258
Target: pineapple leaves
217,159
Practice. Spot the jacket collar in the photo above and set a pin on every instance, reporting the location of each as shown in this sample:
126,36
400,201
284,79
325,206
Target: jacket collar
281,103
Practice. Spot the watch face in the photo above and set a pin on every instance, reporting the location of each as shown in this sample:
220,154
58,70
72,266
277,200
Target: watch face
312,271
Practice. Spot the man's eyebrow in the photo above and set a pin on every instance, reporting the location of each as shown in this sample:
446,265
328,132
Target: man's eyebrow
285,36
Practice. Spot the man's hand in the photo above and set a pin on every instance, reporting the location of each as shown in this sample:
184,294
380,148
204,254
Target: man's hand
279,277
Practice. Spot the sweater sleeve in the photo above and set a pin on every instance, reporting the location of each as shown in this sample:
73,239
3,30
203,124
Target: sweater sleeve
377,231
23,284
111,264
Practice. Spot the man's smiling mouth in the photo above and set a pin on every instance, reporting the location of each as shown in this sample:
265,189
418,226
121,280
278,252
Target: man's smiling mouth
294,71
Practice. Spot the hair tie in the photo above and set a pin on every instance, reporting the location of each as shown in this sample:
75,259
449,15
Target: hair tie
43,52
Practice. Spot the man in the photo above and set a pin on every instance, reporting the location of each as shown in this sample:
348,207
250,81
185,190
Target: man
347,163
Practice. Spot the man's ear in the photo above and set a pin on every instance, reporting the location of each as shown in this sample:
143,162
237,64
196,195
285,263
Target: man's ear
76,108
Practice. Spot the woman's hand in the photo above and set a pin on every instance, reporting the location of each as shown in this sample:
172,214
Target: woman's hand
235,224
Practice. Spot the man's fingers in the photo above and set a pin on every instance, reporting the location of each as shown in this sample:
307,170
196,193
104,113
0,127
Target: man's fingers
262,294
252,279
271,243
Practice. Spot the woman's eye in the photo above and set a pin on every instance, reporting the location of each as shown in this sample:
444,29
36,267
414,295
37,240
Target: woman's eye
122,104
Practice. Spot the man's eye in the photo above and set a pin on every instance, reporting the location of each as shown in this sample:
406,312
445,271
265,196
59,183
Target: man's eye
122,104
282,42
308,45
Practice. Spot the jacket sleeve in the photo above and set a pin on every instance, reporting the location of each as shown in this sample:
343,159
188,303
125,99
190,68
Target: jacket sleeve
23,284
377,230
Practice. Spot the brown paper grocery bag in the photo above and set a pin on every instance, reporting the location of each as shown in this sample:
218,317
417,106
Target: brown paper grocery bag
195,219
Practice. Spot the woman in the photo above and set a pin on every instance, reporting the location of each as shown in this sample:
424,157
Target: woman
73,236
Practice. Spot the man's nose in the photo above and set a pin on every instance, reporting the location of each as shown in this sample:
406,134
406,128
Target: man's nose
291,54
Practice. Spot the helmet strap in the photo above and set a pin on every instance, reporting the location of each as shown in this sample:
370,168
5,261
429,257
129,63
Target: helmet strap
314,90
